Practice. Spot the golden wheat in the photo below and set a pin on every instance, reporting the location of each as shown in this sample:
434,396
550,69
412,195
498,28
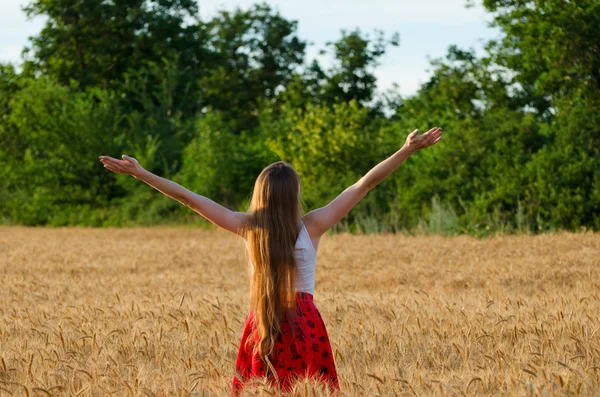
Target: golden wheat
160,311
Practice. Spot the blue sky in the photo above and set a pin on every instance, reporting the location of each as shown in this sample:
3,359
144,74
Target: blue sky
426,27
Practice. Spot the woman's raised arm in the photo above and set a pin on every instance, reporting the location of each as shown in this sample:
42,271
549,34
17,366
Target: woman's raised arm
322,219
212,211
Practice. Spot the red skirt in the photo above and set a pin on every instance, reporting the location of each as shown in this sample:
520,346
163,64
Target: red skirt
304,354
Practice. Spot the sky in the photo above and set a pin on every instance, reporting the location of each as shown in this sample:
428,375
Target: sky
426,27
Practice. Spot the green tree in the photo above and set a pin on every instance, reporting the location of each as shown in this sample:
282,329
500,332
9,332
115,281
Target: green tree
95,42
553,51
351,77
255,54
552,47
222,164
53,136
563,179
356,57
478,170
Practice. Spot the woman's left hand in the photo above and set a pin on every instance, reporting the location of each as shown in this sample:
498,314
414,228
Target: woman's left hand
128,165
414,141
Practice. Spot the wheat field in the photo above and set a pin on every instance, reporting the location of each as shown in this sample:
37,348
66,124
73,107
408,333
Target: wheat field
160,311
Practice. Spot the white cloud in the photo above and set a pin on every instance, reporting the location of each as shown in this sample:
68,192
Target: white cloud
409,76
15,29
13,19
361,13
10,9
10,54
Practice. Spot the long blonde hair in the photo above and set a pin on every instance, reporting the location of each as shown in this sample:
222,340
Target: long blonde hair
271,232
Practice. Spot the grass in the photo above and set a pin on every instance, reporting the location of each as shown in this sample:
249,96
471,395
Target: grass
160,311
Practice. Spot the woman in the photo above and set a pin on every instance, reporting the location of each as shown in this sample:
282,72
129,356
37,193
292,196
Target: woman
284,337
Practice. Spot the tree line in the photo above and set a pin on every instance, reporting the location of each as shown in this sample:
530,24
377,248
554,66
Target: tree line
209,103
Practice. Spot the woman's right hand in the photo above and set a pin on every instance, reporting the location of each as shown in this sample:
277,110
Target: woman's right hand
128,165
414,141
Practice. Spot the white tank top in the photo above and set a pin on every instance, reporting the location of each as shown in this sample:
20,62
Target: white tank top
306,261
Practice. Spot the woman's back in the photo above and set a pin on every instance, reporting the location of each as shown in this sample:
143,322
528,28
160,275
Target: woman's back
306,262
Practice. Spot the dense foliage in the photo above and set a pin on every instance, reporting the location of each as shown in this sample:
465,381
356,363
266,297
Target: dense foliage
210,103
